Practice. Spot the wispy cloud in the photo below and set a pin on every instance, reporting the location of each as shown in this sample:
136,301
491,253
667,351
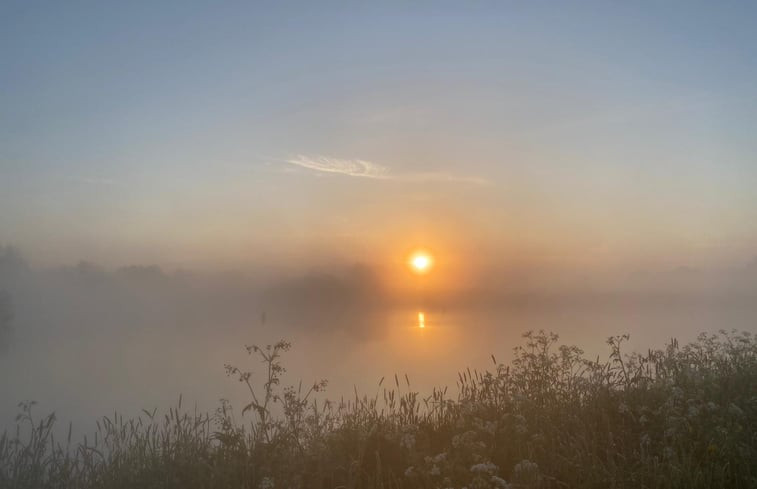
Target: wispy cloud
367,169
353,168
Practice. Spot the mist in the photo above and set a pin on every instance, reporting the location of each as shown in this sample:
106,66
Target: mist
85,340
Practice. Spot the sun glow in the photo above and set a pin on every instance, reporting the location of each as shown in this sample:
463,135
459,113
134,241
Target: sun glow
421,320
421,262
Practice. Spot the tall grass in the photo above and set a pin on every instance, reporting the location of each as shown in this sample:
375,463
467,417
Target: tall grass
681,416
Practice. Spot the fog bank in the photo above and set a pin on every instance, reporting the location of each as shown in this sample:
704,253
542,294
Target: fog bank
85,340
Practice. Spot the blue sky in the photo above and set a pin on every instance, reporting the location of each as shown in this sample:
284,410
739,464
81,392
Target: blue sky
192,133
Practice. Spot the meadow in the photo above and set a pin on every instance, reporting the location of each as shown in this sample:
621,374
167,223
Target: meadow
677,416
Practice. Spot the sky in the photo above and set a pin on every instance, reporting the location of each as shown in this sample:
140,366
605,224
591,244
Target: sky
177,178
220,135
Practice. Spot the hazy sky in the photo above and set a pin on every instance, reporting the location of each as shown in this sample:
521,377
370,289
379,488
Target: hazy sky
497,133
588,169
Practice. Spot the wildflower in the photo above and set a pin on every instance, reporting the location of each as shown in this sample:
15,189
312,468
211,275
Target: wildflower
439,458
734,410
520,425
484,468
435,471
500,482
266,483
407,441
410,471
465,439
526,467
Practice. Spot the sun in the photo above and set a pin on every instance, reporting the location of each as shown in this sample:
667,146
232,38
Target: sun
421,262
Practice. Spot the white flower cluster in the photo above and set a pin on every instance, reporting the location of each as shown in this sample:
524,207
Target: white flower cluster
266,483
407,436
500,482
521,427
526,467
407,441
484,468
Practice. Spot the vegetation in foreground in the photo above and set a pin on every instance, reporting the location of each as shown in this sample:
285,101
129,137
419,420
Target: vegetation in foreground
682,416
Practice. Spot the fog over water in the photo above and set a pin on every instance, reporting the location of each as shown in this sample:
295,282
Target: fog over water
84,341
